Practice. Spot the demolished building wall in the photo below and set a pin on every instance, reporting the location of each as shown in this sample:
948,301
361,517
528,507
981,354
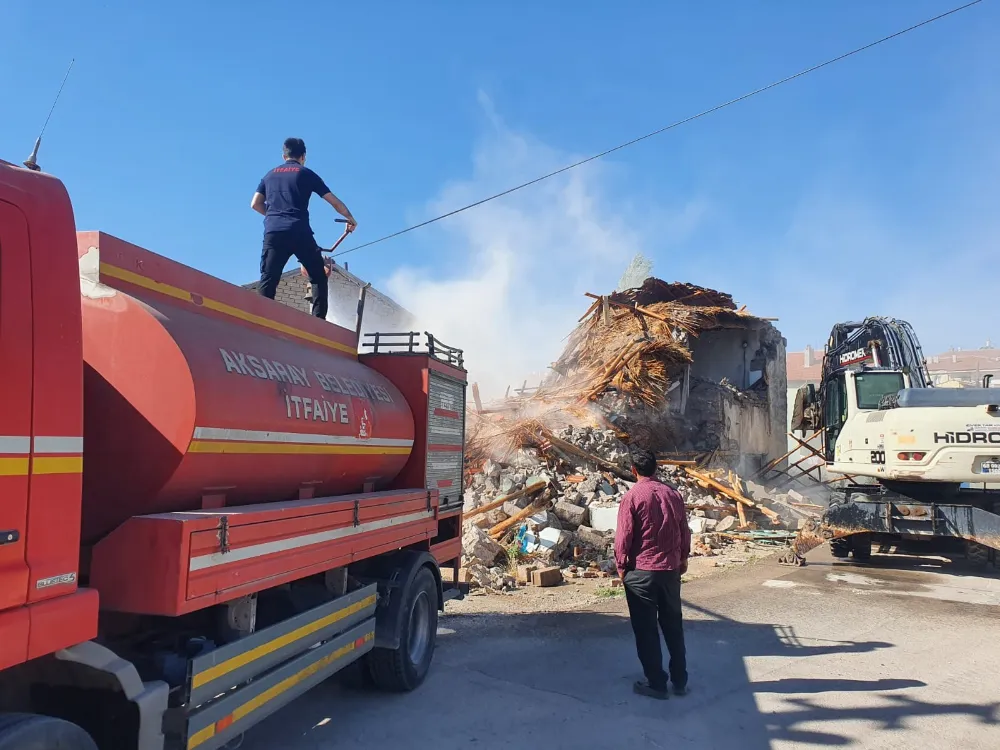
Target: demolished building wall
736,403
674,368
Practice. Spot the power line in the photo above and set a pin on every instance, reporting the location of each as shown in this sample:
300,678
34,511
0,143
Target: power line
686,120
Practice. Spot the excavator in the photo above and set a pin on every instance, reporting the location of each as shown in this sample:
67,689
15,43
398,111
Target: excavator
920,458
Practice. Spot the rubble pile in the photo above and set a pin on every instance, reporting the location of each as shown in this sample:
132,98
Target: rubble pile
557,506
546,470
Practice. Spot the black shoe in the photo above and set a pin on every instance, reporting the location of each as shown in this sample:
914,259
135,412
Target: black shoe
680,690
643,688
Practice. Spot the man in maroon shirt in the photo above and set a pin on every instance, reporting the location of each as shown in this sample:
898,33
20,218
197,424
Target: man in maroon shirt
652,546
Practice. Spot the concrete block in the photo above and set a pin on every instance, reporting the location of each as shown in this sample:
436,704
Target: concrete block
549,542
604,518
727,524
511,508
588,537
756,491
550,576
572,515
544,519
477,546
478,575
524,573
697,525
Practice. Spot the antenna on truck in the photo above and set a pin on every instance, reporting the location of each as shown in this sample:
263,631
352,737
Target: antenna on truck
32,161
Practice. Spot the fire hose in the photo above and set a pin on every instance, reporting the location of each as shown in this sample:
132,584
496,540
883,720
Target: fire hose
328,262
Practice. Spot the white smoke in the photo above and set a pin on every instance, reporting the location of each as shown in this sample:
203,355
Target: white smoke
512,288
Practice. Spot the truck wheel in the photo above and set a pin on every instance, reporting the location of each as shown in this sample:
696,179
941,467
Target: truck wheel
34,732
977,555
404,668
861,547
840,548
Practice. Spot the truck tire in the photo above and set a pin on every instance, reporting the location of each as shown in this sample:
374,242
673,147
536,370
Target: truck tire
34,732
861,547
840,548
977,555
403,669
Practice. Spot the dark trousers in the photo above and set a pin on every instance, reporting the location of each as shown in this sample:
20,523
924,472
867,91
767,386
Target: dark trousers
278,248
654,598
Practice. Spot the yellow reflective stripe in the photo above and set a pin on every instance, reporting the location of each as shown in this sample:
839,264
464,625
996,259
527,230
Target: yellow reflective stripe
145,282
201,736
13,467
241,660
60,465
235,312
273,692
207,446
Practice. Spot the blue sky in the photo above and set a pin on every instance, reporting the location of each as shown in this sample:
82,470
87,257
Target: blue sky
869,187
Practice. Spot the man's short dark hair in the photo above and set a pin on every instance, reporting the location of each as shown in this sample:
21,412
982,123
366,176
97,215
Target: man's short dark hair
295,148
644,461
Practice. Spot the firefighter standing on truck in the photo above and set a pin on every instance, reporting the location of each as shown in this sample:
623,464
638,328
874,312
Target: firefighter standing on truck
283,198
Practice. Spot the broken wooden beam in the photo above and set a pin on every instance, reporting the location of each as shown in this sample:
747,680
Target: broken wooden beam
771,464
732,493
720,487
526,490
501,527
568,447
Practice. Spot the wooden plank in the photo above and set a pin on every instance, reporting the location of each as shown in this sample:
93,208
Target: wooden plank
735,484
708,506
501,527
732,494
527,490
475,397
574,450
590,310
771,464
805,443
727,491
634,308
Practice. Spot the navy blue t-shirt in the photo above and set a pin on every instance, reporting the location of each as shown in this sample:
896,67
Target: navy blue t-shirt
286,190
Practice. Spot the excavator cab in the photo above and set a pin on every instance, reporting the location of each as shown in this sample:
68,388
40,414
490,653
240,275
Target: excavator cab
873,390
834,413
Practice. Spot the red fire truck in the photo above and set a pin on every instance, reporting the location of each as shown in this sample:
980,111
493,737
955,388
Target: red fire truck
210,502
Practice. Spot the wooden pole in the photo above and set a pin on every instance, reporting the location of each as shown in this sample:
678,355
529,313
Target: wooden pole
529,490
520,516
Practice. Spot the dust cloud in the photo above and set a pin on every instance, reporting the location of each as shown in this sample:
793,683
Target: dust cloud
513,286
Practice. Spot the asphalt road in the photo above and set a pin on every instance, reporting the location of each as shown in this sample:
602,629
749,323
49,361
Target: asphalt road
902,653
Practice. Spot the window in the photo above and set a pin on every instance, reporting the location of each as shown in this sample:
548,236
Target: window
872,386
835,407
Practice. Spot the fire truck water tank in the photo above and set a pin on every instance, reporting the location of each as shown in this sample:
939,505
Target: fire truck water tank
190,410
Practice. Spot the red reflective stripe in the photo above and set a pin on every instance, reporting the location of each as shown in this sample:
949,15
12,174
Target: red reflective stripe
360,642
445,483
446,413
443,448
